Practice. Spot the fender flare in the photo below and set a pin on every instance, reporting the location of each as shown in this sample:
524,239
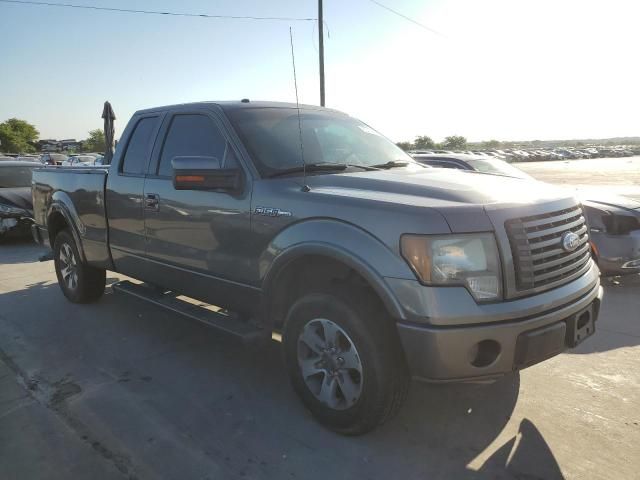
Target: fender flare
59,206
358,250
343,256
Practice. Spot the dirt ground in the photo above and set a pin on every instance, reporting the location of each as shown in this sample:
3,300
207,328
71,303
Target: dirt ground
620,176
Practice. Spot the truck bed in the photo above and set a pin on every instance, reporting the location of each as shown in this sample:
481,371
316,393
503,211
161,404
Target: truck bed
77,193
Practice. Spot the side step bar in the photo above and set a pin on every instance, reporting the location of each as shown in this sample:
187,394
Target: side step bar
226,323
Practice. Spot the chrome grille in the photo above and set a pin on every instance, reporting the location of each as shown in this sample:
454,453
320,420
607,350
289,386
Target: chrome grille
536,245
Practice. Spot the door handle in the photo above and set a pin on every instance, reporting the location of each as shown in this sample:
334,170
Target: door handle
152,201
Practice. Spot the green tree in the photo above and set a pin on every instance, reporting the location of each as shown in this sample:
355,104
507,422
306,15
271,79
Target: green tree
405,145
455,142
423,143
17,136
95,142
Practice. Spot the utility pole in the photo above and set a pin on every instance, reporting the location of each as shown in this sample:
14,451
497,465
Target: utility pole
321,50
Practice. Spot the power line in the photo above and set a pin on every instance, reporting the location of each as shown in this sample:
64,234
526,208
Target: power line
395,12
155,12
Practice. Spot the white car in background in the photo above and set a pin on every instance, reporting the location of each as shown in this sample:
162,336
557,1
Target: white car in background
79,161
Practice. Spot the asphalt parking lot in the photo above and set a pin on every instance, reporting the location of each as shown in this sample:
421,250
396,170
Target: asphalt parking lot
120,389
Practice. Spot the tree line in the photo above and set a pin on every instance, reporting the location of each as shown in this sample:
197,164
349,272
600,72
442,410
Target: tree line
19,136
453,142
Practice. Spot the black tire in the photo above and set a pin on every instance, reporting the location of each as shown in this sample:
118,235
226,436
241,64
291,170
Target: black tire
89,281
384,378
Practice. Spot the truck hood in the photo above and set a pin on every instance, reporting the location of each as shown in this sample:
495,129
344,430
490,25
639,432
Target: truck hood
436,188
17,197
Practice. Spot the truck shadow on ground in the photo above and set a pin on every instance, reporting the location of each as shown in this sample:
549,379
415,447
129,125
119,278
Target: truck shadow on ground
176,399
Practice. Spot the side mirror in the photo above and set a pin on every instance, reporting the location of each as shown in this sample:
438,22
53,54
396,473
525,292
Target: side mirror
204,173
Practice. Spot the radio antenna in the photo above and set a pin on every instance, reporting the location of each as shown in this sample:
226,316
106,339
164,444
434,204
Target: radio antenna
305,187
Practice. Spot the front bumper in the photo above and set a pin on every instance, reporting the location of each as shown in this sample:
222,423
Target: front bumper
487,350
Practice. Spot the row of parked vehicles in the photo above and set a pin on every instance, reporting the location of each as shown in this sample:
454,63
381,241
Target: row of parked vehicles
527,155
47,158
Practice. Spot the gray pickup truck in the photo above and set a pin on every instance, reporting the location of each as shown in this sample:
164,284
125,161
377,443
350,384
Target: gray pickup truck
370,268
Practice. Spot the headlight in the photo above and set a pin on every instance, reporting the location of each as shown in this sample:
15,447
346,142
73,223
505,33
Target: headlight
469,260
9,210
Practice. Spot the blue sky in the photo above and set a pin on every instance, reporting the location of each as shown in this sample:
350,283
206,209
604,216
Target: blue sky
502,69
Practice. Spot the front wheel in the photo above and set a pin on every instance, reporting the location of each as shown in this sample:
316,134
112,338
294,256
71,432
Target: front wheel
79,282
345,361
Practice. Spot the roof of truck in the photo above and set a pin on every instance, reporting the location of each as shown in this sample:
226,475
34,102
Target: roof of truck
229,105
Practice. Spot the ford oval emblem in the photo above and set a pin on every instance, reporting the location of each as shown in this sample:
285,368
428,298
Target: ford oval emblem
570,241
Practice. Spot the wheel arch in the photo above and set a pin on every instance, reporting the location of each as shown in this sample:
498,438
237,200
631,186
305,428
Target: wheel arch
60,217
318,262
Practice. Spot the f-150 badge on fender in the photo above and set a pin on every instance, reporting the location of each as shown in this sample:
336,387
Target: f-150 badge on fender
271,212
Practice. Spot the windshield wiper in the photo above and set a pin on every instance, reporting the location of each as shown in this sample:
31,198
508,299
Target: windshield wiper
319,167
392,164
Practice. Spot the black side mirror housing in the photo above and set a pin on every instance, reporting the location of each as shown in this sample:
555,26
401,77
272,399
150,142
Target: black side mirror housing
204,173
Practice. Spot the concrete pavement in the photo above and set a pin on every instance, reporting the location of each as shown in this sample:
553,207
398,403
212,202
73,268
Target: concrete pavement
119,389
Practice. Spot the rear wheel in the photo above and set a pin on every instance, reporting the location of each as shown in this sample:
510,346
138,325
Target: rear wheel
79,282
345,360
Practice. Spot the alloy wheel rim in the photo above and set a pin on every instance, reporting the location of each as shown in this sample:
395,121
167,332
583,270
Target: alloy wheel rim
68,266
330,364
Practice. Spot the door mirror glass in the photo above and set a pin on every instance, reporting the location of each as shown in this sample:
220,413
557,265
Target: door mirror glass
204,173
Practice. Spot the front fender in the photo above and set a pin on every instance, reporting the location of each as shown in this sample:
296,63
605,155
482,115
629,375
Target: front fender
344,242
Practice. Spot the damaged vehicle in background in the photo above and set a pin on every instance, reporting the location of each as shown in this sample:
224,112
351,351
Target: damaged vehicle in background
614,228
614,221
16,209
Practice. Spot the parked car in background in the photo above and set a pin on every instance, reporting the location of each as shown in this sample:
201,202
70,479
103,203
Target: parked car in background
16,208
476,163
79,161
614,221
53,158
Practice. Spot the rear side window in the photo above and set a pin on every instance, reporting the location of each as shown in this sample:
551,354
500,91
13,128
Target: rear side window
139,148
191,135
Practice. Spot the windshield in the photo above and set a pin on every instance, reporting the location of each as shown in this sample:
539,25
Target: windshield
272,136
14,177
497,167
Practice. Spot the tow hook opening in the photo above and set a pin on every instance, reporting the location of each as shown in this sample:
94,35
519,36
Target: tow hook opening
583,320
484,353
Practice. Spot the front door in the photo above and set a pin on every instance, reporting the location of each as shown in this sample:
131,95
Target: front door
125,185
197,241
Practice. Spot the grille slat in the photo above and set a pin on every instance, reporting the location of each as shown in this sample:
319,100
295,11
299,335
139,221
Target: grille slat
559,229
544,221
538,254
536,257
534,246
556,272
562,259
